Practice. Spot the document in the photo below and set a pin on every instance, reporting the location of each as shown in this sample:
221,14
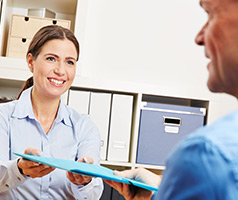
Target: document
85,169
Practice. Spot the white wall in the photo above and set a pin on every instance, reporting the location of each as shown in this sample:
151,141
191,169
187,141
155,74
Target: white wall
150,42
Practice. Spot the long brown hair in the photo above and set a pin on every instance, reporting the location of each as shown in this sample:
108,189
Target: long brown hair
44,35
48,33
28,83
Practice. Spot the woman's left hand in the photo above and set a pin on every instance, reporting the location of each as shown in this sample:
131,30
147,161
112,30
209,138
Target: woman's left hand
80,179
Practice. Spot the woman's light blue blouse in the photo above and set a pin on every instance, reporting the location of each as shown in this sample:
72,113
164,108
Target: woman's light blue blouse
71,136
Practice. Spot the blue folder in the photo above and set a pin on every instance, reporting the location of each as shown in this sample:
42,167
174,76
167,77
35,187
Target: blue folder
85,169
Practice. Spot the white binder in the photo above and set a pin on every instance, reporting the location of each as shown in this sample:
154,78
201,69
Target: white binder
79,100
120,128
99,112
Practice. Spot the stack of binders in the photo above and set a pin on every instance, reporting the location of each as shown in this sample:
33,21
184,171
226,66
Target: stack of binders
112,114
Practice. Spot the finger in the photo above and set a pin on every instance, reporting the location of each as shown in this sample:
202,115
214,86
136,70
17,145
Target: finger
32,151
34,170
75,178
70,176
126,173
39,171
86,179
23,163
126,191
86,160
116,185
109,182
43,172
78,179
143,194
122,188
112,183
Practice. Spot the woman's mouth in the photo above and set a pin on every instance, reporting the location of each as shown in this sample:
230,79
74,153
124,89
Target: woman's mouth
55,81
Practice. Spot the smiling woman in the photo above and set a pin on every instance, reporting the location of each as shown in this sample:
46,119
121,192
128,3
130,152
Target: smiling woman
40,123
54,68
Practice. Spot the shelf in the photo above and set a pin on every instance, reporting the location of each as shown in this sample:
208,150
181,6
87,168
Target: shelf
121,164
130,165
133,87
13,63
59,6
150,166
10,83
64,9
14,69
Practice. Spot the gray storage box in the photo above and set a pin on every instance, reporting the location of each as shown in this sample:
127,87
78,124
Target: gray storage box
161,127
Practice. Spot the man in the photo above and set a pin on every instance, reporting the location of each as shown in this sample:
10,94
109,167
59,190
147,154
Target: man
205,164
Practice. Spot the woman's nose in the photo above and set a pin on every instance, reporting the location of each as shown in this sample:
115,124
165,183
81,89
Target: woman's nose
59,69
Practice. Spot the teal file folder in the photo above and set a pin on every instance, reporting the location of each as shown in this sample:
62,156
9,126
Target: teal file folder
85,169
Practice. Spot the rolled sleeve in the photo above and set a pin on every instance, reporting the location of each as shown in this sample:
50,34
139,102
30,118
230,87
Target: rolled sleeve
10,175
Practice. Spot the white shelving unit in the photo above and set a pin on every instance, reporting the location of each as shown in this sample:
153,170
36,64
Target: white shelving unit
13,78
64,9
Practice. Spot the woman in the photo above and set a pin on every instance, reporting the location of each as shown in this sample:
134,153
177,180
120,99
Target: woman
39,123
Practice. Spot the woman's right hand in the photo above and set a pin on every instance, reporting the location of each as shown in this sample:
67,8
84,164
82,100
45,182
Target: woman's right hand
31,168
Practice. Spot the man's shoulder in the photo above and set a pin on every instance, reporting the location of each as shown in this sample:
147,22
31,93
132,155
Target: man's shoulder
221,136
198,160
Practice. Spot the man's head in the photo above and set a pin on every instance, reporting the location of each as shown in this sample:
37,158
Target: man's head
219,36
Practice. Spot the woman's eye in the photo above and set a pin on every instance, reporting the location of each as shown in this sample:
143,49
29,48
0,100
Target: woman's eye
70,62
50,58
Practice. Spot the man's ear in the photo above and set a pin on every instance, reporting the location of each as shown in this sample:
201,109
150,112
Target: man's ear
30,61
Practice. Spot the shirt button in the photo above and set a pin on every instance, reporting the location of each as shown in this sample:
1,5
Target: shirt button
7,185
19,178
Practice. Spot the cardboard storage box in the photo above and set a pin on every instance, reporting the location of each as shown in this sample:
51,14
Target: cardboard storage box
23,28
18,47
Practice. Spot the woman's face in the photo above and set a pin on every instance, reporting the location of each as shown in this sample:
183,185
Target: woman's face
54,68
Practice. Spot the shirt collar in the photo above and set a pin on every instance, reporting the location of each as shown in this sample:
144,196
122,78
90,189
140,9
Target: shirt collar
63,115
24,109
24,106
